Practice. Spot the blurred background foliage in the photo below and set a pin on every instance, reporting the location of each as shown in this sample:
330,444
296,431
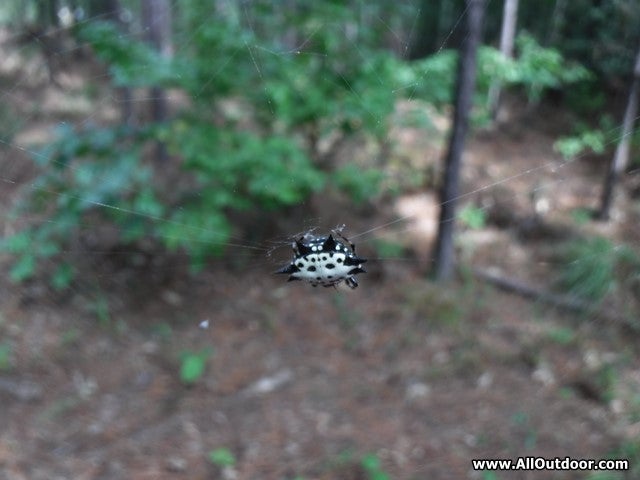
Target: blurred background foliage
271,91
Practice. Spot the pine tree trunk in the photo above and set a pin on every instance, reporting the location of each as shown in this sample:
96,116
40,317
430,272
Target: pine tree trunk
621,156
156,18
507,38
47,12
426,36
557,22
465,86
446,21
112,11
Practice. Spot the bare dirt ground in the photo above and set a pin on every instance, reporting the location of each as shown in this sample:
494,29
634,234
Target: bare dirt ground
304,383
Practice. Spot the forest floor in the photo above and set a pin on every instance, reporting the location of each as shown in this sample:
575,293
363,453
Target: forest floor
310,383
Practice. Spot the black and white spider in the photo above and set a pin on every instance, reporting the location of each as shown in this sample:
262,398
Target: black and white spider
324,260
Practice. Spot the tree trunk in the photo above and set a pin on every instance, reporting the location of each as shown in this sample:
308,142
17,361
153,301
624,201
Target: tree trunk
156,19
112,10
557,22
47,11
426,35
621,157
444,252
507,37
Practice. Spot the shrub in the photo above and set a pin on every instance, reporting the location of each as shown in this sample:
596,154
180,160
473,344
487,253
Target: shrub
249,138
593,267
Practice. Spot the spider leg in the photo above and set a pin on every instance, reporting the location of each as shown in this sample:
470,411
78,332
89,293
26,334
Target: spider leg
351,282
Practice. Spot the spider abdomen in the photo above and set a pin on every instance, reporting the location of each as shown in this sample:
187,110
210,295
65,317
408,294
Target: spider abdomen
324,261
322,268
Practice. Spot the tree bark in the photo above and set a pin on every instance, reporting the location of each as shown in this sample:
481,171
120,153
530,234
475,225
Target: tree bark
465,86
156,18
557,22
621,156
48,13
112,10
446,22
507,37
426,35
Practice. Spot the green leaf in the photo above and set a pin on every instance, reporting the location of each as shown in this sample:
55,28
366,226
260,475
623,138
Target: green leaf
222,457
361,183
62,276
371,464
193,366
47,249
581,216
17,243
23,269
489,475
388,249
562,335
473,217
147,203
131,62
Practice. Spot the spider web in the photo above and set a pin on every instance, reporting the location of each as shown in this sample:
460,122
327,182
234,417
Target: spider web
407,222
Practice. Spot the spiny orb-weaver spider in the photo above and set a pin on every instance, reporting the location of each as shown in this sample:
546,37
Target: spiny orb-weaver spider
324,260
